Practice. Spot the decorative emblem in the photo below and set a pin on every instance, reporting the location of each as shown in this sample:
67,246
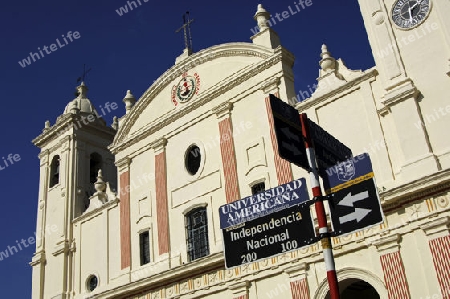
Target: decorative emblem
346,170
186,88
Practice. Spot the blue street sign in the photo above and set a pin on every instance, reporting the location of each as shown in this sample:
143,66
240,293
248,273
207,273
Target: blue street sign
344,173
263,203
355,204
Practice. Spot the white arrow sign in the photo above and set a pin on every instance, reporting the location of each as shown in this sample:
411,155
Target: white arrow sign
357,215
350,199
289,134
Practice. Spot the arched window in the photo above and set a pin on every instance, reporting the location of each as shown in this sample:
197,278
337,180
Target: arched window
258,187
54,171
197,234
95,164
144,245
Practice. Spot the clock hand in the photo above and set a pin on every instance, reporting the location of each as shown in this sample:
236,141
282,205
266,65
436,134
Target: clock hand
418,2
410,16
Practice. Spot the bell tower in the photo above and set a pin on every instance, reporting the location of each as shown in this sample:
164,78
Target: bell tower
411,47
73,153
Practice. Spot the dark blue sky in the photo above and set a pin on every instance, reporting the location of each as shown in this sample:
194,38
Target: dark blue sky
125,52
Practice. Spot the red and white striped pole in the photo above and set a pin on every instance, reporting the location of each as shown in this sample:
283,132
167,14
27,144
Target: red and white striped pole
320,211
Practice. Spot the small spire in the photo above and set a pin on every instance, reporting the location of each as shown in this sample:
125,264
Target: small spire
129,101
46,126
262,17
82,90
328,63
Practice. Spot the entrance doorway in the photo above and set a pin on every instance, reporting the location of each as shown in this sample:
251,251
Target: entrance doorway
353,288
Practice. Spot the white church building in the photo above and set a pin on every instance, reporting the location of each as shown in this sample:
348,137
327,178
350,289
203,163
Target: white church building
136,205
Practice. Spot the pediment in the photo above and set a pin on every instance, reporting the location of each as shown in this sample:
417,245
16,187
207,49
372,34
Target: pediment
187,81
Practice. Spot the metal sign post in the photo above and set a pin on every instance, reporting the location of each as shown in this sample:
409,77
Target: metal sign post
320,211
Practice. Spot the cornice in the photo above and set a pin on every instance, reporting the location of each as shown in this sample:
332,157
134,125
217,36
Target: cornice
388,244
271,85
62,247
38,258
297,271
402,91
123,141
159,145
240,288
205,265
123,164
437,226
411,191
66,123
223,110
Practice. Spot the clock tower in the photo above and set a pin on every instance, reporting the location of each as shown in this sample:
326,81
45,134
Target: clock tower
411,46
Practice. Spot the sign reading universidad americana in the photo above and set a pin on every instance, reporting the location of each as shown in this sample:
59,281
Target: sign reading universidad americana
264,203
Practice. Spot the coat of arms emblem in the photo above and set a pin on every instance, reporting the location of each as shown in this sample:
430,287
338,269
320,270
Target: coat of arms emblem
186,88
346,170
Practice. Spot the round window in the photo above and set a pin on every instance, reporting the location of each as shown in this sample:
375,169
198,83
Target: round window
92,282
193,159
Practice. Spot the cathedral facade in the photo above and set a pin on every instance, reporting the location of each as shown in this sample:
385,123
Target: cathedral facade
136,205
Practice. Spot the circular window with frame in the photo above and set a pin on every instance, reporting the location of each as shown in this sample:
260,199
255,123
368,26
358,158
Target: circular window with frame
91,283
193,159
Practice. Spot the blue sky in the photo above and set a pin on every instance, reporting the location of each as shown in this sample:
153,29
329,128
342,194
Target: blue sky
125,52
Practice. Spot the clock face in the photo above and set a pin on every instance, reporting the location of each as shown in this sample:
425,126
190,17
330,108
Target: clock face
410,13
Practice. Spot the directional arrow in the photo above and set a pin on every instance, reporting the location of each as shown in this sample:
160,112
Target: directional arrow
291,148
350,199
357,215
289,134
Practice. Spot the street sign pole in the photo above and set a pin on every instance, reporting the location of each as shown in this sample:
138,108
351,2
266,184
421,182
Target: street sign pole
320,211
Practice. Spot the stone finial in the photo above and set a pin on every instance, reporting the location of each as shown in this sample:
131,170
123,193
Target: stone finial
100,185
262,17
46,126
129,101
328,63
115,124
82,90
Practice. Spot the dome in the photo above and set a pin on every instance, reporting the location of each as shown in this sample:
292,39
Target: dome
80,103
